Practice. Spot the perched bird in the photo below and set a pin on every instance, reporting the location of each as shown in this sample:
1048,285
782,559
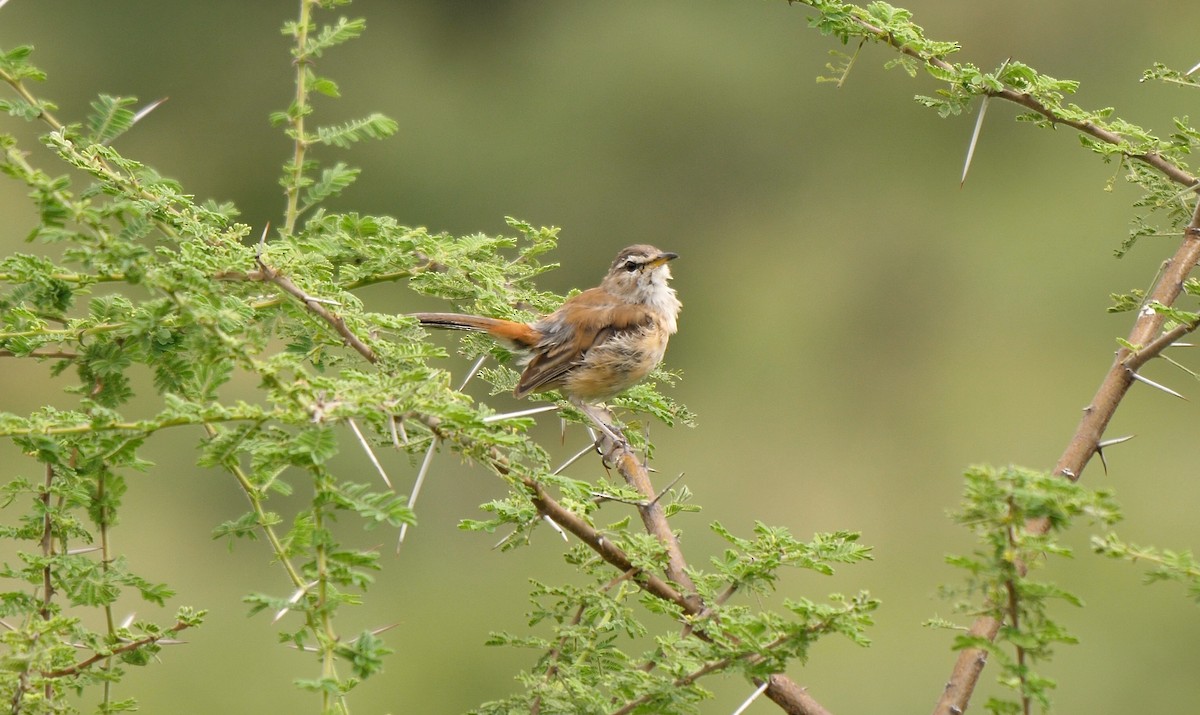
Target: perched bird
599,342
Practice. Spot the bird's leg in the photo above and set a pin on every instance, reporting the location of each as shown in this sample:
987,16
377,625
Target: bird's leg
595,415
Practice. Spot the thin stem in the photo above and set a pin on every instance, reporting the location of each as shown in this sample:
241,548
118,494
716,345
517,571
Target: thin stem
105,561
329,639
1014,612
298,111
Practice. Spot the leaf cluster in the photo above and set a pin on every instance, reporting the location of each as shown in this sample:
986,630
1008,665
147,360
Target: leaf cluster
998,507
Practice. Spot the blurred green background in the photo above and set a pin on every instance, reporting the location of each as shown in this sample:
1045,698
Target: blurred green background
856,327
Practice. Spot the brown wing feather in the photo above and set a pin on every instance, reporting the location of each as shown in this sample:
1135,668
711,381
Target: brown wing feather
583,322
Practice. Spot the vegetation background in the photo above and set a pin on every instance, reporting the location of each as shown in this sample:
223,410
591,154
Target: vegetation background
856,328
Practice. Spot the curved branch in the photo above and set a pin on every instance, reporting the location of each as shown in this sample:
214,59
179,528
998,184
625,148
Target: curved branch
1152,159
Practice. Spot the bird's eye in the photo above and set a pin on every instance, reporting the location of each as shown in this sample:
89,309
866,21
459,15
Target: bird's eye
631,266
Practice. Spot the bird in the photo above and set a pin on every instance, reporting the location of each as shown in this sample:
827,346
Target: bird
599,342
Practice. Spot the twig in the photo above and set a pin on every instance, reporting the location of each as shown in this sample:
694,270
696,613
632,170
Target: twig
556,652
315,306
1152,159
130,646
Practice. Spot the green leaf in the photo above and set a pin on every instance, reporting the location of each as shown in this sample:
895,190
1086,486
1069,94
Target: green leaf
110,118
331,35
332,182
314,445
374,126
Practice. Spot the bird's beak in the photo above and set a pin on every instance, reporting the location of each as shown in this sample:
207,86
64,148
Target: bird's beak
663,258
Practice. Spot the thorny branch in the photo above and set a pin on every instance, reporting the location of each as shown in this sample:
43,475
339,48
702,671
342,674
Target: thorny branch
1146,335
1084,443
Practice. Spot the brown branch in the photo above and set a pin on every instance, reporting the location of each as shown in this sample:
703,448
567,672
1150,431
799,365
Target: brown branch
655,521
790,697
607,550
56,354
1152,159
96,658
1146,332
785,693
267,273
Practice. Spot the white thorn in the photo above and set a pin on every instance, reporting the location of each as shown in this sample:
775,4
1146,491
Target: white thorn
416,490
576,458
503,541
370,452
753,696
141,113
1193,69
397,427
1115,440
1152,383
293,600
974,140
519,413
556,527
471,373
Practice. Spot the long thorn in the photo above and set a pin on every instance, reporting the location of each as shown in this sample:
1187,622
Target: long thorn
667,488
293,600
505,540
974,140
416,490
471,373
1152,383
576,458
399,435
370,452
1108,443
519,413
384,629
753,696
141,113
554,525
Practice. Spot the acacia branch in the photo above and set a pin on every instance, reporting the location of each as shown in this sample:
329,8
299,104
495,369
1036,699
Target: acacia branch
1152,159
315,306
790,697
127,647
1085,442
1146,335
785,693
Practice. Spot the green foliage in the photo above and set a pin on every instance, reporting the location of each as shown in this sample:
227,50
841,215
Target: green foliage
197,306
111,119
1158,165
601,656
999,505
1165,564
192,302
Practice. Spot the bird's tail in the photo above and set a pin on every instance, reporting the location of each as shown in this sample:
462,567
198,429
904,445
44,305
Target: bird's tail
510,332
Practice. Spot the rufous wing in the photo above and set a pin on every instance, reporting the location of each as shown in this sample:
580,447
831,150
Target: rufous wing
594,317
